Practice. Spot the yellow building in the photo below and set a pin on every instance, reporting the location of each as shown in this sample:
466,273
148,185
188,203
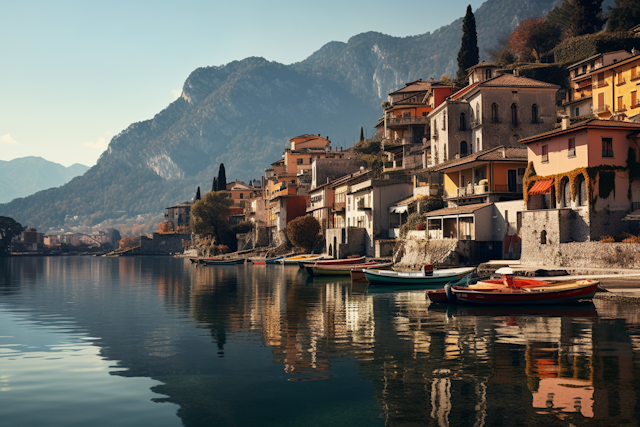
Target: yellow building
615,90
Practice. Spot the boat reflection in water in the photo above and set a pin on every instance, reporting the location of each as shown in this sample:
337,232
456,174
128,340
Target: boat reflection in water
220,340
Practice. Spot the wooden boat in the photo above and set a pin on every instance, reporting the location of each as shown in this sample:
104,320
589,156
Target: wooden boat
232,261
346,261
297,258
509,290
264,261
202,260
344,270
425,277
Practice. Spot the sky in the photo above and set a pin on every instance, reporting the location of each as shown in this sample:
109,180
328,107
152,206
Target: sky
73,74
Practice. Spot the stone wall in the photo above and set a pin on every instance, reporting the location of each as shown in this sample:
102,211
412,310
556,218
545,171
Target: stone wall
585,255
162,244
343,242
384,248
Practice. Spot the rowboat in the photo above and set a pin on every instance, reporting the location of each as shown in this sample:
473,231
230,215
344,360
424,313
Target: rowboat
297,258
232,261
346,261
425,277
344,270
202,260
509,290
263,261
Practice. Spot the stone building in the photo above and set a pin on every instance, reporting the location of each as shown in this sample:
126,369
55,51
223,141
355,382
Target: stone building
490,112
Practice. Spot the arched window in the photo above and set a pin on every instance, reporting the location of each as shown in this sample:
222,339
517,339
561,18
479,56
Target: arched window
534,114
566,199
543,237
582,190
514,114
463,121
494,113
478,113
463,149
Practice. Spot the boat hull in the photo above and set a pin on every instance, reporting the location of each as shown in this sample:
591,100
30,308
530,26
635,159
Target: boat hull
526,296
343,270
439,278
225,262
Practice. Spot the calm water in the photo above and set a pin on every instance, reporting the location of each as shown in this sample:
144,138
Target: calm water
157,341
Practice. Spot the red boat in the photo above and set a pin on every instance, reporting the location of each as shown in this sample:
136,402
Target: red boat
513,291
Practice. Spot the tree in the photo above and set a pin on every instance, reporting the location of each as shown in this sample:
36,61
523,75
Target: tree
533,38
9,227
222,178
198,197
129,242
587,17
210,215
469,55
303,231
214,186
165,227
624,15
446,80
361,134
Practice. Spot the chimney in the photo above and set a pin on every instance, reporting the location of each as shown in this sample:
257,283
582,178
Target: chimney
566,121
504,152
515,72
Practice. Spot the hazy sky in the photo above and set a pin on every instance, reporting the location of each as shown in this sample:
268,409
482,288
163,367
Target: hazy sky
75,73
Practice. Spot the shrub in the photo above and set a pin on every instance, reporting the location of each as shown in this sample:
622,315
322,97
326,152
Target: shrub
607,239
412,221
129,242
421,226
303,231
430,203
578,48
242,227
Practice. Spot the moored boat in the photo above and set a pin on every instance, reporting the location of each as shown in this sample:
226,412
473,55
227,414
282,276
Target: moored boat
264,261
297,258
425,277
345,261
344,270
509,290
231,261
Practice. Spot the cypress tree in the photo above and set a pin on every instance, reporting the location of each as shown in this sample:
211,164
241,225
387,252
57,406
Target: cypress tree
214,187
361,134
587,17
624,15
469,55
198,194
222,178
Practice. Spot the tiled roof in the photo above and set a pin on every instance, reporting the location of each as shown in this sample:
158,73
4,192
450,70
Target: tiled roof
490,154
591,123
511,80
462,91
405,201
482,64
458,210
416,86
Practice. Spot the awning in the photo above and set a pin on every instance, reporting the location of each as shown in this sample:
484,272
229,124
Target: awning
398,209
633,216
541,187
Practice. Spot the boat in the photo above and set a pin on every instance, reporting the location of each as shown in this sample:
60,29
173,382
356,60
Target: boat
231,261
202,260
264,261
510,290
297,258
425,277
344,269
346,261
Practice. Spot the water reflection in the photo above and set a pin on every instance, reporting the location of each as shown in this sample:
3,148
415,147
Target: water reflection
218,338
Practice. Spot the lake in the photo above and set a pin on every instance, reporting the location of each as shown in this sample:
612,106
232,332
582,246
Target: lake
158,341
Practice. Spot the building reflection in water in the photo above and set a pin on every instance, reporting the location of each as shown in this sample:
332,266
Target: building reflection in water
440,366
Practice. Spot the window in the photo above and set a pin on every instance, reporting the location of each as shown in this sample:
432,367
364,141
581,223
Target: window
576,112
607,147
566,199
600,79
299,161
424,114
444,121
478,113
242,195
634,99
494,113
463,149
572,147
487,73
545,154
620,104
463,121
582,190
514,114
534,114
543,237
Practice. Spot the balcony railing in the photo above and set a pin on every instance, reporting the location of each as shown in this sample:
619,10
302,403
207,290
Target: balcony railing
585,83
635,77
621,81
621,108
397,121
362,205
600,83
635,104
478,190
339,207
600,109
475,124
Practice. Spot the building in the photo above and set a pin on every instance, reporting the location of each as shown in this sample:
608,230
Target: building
615,94
241,193
179,215
585,183
584,77
489,113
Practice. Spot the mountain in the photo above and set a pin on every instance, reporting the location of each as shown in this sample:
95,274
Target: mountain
243,113
27,175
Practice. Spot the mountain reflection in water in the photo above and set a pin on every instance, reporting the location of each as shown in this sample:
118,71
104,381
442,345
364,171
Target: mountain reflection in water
262,345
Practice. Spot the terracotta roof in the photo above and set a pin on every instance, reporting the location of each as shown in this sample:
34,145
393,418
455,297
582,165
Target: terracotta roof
482,64
511,80
591,123
490,154
462,91
458,210
417,86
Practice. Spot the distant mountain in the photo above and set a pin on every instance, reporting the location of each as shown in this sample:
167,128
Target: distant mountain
243,113
27,175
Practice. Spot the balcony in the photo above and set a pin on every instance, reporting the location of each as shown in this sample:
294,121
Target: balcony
475,124
361,205
339,207
621,81
585,83
601,83
635,77
484,189
621,108
401,121
601,109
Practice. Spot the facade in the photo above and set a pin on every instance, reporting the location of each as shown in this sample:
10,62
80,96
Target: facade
320,205
179,215
241,193
586,76
489,113
615,94
585,182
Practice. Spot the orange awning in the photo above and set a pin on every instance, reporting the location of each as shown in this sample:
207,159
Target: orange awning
541,187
